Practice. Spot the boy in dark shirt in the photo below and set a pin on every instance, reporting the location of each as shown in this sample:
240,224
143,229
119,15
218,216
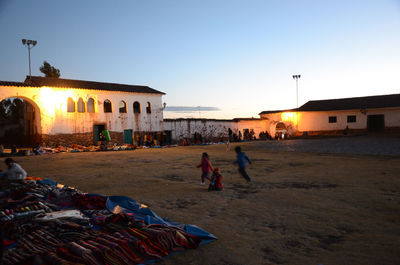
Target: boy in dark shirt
241,161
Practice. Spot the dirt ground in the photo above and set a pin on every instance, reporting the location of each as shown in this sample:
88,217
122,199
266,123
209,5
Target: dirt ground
301,208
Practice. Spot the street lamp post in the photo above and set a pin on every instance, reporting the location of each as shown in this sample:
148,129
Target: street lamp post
30,44
297,88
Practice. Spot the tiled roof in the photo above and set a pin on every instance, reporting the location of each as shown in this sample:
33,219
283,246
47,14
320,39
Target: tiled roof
371,102
39,81
11,83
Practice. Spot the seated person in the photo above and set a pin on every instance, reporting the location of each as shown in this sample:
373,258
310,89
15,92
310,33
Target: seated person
216,179
14,171
38,150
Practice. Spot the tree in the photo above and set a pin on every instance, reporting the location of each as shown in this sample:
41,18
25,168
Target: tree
49,71
12,109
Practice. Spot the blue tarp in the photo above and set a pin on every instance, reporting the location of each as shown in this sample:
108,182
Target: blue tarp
117,204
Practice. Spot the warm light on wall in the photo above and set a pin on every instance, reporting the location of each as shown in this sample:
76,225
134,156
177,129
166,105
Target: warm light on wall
290,117
51,100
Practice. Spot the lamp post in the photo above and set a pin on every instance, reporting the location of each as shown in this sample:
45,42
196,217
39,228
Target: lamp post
297,88
30,44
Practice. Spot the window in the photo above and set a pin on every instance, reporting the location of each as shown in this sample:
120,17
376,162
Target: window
107,106
351,118
81,105
148,107
90,105
332,119
71,105
122,107
136,107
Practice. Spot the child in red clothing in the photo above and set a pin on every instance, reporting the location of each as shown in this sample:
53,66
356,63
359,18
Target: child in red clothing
216,180
206,167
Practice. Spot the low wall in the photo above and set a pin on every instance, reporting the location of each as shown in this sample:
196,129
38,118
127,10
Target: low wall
211,130
85,139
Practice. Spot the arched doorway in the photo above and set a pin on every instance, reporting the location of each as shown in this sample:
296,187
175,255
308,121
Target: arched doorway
19,122
280,131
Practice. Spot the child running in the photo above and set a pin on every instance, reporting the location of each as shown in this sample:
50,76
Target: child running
241,161
216,179
206,167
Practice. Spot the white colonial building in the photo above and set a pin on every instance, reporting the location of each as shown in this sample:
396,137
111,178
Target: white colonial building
76,111
337,116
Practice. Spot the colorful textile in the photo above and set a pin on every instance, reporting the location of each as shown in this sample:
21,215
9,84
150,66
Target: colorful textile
54,224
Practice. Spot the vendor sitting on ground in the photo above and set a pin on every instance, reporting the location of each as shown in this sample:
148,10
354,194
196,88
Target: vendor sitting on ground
216,179
14,171
38,150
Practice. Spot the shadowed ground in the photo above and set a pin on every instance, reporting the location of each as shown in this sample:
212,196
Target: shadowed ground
302,208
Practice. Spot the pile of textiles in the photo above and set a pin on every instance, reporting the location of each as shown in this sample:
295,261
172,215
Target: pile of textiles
43,222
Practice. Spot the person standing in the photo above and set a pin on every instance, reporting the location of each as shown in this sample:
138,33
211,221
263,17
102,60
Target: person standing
241,161
206,167
14,171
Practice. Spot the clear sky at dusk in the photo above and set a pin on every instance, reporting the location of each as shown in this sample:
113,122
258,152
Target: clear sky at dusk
237,56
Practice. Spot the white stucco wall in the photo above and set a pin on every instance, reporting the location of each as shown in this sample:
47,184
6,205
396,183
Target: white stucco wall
51,103
210,128
319,120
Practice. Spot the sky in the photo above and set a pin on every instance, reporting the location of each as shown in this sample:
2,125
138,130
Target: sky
213,58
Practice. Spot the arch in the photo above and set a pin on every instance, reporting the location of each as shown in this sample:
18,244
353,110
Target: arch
280,126
148,107
107,106
81,105
71,105
90,105
136,107
122,107
31,124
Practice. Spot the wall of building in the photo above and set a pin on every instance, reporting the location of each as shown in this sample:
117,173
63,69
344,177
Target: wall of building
211,130
51,104
318,121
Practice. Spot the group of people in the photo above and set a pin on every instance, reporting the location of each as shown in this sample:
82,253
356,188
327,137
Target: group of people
216,177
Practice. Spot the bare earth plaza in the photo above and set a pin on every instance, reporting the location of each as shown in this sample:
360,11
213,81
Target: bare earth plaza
302,208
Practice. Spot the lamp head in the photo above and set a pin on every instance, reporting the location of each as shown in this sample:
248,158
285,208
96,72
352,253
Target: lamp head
23,41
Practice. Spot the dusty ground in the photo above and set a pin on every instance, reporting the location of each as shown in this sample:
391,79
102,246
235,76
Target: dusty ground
302,208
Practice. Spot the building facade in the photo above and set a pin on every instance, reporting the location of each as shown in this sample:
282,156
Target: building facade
338,116
75,111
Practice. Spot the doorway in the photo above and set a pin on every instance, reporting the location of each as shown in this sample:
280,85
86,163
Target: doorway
376,123
128,136
97,129
18,123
